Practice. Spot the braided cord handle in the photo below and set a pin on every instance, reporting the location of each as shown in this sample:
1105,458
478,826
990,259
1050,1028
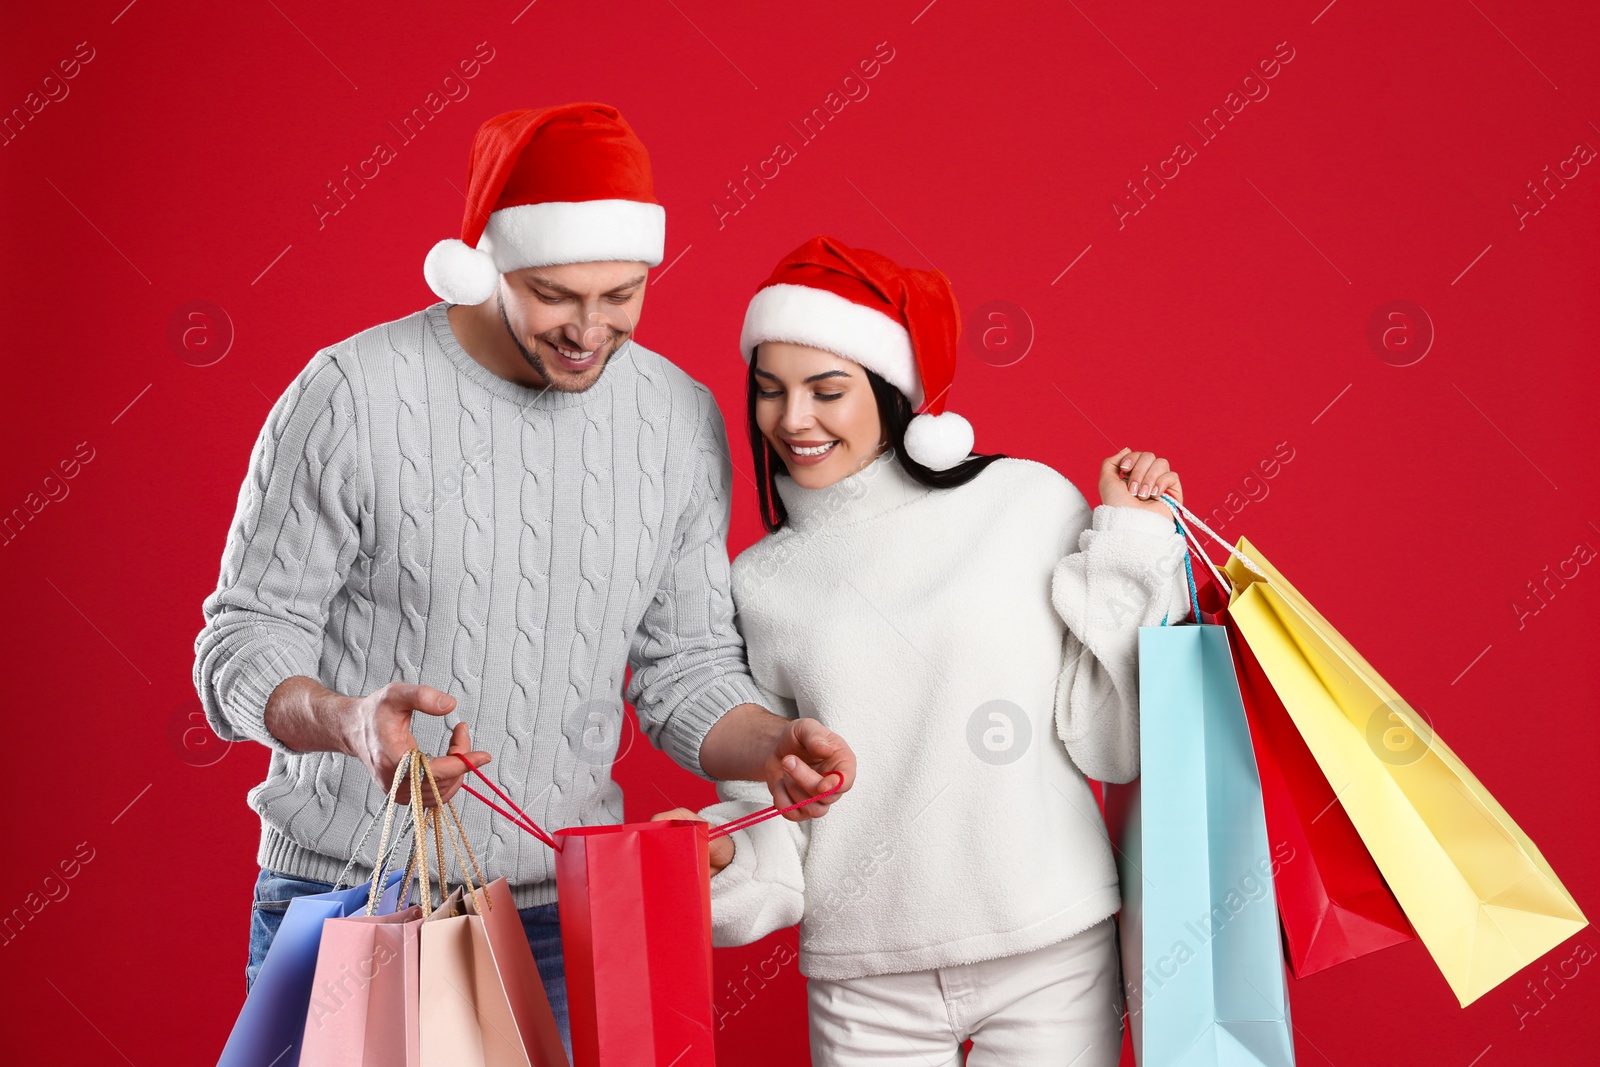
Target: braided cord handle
380,868
458,840
1249,563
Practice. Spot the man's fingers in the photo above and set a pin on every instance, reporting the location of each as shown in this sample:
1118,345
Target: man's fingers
461,746
453,766
403,794
807,780
813,810
781,798
825,753
447,790
817,738
844,768
424,698
448,772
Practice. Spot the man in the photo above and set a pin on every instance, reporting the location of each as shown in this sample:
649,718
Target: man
483,511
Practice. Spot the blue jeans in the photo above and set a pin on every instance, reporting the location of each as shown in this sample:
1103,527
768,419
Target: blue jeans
542,925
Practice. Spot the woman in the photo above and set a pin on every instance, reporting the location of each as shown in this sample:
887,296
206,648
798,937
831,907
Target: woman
971,626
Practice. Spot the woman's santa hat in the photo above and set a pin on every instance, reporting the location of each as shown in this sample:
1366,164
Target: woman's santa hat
900,323
567,184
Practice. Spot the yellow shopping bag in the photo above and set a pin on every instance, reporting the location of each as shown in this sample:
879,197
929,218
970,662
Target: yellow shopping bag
1482,899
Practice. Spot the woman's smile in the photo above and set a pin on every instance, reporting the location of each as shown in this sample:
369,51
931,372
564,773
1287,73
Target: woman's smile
809,452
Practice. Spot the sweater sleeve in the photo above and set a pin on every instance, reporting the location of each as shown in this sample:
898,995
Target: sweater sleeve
687,656
294,536
763,888
1127,573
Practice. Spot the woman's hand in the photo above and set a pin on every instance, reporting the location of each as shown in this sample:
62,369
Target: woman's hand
721,847
1132,479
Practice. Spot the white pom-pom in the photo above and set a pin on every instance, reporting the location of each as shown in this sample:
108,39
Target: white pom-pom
939,442
459,274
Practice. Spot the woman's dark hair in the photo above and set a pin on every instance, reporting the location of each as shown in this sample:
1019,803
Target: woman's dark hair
894,412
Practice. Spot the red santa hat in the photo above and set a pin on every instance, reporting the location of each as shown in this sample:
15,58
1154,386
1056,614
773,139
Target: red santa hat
900,323
566,184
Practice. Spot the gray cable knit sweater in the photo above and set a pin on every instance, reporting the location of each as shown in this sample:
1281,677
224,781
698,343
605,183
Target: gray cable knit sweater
411,516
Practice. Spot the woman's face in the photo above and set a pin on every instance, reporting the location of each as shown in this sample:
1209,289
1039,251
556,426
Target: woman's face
817,411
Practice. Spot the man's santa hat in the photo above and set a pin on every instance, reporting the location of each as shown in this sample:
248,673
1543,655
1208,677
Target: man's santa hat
567,184
900,323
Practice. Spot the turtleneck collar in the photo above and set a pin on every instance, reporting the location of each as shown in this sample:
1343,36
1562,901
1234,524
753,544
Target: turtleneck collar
878,487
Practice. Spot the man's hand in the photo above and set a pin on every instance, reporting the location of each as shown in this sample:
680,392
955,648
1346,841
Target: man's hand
751,744
721,852
805,754
375,729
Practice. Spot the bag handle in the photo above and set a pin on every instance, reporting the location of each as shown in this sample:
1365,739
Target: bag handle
380,868
522,820
458,840
744,821
433,818
1188,573
423,818
1234,552
1223,584
383,856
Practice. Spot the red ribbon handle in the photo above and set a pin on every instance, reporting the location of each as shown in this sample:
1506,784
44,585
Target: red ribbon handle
744,821
522,820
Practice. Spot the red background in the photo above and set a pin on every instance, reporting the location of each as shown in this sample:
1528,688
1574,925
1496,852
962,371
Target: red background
1228,315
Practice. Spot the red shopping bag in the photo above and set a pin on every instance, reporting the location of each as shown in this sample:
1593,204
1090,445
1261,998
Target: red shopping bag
1332,901
635,904
636,938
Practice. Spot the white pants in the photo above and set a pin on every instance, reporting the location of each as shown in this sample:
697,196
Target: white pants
1060,1006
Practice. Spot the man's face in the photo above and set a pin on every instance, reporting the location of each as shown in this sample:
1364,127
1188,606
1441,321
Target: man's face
569,320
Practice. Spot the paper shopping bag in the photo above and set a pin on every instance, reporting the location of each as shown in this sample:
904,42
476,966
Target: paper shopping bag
268,1030
364,997
636,940
483,1002
1332,902
1481,897
1202,963
636,932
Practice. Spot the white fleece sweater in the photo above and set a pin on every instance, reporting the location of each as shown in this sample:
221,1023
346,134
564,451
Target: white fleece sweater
977,648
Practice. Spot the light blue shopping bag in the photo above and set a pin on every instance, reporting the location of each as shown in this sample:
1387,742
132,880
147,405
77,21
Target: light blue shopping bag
1202,965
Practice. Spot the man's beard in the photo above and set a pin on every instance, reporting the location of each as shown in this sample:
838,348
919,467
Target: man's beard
602,358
